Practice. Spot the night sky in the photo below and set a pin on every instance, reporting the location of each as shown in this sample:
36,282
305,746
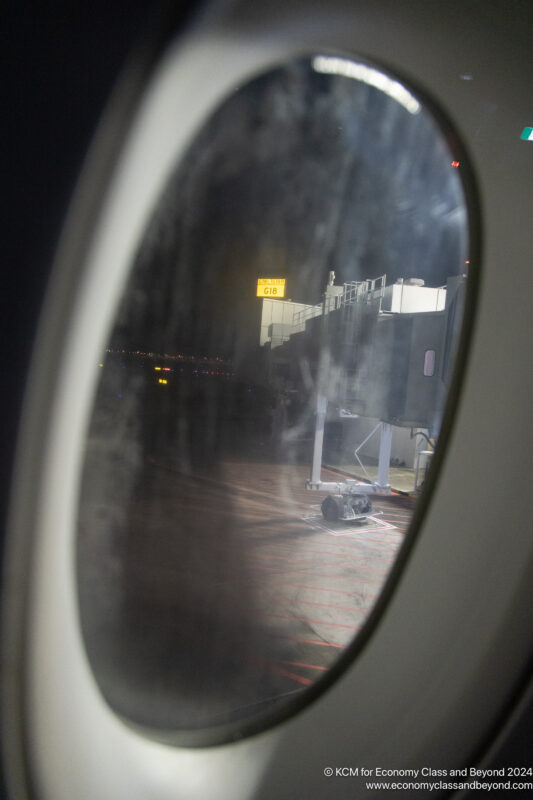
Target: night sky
296,173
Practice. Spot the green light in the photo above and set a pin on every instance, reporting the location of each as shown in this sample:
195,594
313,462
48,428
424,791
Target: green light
527,134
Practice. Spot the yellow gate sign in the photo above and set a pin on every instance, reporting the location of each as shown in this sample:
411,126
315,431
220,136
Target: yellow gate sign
271,287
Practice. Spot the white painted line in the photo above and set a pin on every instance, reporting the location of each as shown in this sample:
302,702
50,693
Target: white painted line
380,526
316,522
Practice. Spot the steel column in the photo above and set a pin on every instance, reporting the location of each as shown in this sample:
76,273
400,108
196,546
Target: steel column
385,445
321,408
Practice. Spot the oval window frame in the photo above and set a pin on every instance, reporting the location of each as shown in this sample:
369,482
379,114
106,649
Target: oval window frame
227,732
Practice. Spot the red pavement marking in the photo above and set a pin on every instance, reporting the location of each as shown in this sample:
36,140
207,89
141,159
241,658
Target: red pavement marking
313,621
382,532
377,546
310,553
401,529
297,600
322,589
284,673
401,516
309,563
339,549
309,641
360,568
316,575
305,666
305,559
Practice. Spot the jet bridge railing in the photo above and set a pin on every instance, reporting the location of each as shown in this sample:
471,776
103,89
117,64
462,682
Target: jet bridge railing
364,291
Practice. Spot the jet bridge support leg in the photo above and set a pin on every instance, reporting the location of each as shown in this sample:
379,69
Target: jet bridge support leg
385,445
350,498
321,408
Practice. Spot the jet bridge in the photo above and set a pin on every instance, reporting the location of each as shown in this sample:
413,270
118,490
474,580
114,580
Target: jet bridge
378,352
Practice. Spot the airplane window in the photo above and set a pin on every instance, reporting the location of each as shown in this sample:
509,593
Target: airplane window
261,422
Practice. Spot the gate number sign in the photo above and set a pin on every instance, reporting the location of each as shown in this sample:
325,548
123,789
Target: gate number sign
271,287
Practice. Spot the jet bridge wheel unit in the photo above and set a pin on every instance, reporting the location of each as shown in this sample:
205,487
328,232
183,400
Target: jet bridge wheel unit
346,507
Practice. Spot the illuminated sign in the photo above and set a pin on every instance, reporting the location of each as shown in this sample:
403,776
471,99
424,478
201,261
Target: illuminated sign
527,134
271,287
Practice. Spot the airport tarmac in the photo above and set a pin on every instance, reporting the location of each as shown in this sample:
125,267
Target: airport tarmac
318,580
222,591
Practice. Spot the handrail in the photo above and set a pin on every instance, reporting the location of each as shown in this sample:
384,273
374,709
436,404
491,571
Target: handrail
353,292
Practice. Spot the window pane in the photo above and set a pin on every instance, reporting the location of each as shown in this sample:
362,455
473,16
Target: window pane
261,393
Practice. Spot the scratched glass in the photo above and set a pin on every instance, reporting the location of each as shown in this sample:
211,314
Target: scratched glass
270,396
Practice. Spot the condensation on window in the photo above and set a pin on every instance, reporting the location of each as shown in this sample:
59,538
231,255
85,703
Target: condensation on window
252,457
